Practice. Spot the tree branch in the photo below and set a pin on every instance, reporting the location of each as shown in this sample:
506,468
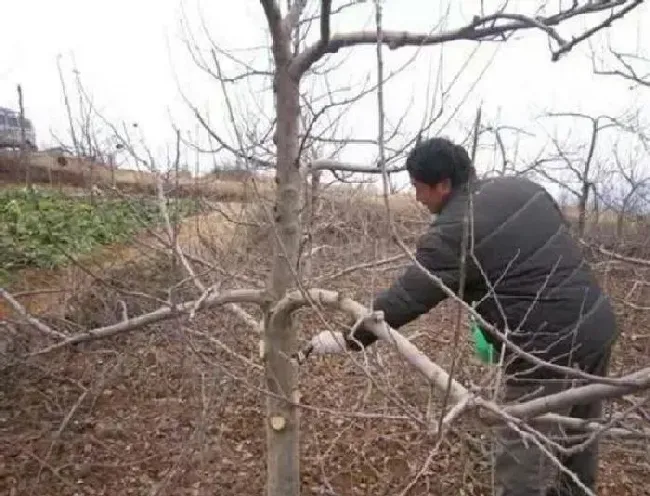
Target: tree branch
565,48
432,371
474,31
629,74
325,11
536,410
293,17
616,256
35,323
364,265
580,395
273,17
161,314
335,165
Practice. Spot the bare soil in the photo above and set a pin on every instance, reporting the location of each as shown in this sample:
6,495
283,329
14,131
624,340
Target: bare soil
177,408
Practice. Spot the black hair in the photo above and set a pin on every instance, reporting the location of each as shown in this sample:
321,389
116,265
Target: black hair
436,159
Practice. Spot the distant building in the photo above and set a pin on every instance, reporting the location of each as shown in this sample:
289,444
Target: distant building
11,132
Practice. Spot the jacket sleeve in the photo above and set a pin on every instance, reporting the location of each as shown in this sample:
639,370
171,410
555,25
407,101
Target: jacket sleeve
414,292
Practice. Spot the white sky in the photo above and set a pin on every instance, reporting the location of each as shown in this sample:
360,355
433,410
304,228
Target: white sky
132,60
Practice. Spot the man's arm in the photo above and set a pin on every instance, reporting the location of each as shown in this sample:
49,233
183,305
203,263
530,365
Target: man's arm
415,293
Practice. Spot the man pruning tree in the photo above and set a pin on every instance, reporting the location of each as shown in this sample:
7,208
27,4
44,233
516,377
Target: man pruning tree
527,277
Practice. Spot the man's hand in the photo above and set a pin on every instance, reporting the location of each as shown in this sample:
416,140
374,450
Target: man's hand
328,342
323,343
334,342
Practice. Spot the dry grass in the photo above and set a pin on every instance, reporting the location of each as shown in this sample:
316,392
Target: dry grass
170,411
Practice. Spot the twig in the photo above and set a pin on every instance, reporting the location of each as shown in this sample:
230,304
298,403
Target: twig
173,238
616,256
354,268
224,347
66,420
34,322
566,47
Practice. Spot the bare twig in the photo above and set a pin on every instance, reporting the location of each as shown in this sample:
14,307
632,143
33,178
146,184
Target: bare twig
34,322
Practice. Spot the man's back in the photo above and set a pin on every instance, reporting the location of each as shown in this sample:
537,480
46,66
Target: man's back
529,272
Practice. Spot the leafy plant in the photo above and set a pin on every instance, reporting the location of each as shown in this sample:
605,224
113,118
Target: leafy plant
38,228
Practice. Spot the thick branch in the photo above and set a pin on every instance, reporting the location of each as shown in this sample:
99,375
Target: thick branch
161,314
273,17
293,17
325,12
580,395
432,371
537,410
335,165
477,30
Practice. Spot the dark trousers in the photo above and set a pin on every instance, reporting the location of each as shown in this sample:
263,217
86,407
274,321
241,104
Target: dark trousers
522,468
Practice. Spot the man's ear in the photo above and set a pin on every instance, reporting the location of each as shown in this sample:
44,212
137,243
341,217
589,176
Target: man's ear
444,186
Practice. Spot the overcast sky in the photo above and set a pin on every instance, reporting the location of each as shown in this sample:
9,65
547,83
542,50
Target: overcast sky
133,61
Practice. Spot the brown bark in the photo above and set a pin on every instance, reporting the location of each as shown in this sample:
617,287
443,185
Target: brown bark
280,340
586,183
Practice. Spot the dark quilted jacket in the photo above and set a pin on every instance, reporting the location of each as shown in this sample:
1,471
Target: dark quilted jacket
545,291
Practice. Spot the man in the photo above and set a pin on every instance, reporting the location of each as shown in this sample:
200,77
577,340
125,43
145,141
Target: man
527,276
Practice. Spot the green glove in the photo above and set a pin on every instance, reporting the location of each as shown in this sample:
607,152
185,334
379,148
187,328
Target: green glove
483,349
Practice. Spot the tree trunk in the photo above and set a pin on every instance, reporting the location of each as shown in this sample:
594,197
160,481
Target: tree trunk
596,205
620,219
282,426
311,195
582,208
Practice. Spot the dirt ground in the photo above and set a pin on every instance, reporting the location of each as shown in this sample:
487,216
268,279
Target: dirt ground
177,409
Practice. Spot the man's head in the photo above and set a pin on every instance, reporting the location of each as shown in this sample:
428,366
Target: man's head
437,167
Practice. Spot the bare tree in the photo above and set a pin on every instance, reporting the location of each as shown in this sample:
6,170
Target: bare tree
280,142
625,188
505,149
289,68
89,137
580,167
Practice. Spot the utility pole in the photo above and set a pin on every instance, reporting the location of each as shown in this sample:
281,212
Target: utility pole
22,162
